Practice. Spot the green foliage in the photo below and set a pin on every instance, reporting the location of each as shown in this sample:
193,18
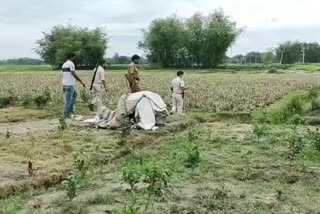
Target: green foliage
7,101
286,110
82,164
157,178
289,51
295,142
26,100
89,45
261,130
22,61
267,57
62,123
199,41
131,207
273,71
42,98
314,137
131,174
70,186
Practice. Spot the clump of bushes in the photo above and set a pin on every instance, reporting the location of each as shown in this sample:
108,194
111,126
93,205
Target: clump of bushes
42,99
7,101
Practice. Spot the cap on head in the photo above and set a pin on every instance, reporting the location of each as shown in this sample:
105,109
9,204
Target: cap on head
71,55
180,73
135,57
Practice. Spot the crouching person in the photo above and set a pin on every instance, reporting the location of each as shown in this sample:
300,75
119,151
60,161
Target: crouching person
68,82
99,88
178,87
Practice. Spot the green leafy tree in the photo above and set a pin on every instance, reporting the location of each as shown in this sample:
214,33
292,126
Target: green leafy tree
89,45
200,40
290,52
163,40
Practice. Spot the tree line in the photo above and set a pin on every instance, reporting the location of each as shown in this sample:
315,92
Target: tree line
289,52
22,61
198,41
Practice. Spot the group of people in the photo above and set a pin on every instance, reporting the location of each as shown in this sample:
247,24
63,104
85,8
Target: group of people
99,85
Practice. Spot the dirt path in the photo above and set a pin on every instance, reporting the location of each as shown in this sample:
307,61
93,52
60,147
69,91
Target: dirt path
20,128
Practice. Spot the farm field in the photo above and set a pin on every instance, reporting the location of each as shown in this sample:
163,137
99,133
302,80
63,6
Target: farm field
214,159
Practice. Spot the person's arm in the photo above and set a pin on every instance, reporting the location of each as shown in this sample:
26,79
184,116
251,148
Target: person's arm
77,78
182,85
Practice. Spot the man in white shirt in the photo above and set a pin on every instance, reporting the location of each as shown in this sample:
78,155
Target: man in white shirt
99,88
178,87
68,82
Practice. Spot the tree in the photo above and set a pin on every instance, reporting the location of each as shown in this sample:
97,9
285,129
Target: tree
253,57
220,34
89,45
199,40
195,37
289,52
312,52
163,40
267,57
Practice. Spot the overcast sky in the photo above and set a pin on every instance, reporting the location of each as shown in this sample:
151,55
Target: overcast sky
266,22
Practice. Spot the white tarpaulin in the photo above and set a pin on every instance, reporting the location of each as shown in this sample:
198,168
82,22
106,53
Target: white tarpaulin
149,109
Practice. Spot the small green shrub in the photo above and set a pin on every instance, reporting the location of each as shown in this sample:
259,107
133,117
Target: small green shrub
157,177
273,71
261,130
70,186
7,101
314,137
26,100
296,144
82,164
42,99
62,123
131,174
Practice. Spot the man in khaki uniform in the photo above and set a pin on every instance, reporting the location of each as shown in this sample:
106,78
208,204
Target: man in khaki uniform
178,87
133,76
99,88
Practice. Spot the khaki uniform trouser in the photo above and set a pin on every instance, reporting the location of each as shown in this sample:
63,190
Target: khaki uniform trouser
99,97
177,103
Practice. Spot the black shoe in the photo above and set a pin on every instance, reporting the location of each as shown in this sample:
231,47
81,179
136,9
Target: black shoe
91,107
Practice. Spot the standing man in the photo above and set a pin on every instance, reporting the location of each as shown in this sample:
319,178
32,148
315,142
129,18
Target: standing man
99,88
68,82
178,88
133,76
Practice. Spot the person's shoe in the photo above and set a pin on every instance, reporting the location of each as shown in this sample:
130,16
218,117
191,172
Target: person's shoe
91,107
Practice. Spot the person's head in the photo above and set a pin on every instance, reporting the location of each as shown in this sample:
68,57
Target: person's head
103,63
180,74
70,55
135,58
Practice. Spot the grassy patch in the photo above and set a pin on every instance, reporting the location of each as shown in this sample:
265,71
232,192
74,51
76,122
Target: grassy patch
295,103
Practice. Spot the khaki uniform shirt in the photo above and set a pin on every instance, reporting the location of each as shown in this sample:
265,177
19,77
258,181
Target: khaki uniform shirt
100,75
177,85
